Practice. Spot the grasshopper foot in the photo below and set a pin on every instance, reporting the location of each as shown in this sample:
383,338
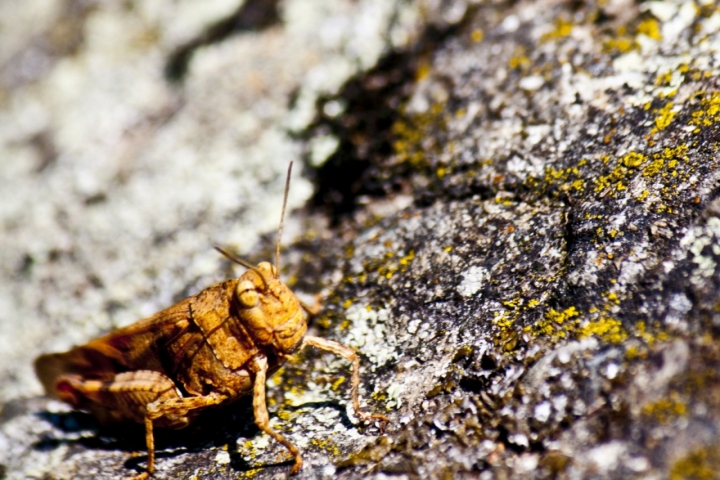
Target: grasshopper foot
298,465
370,417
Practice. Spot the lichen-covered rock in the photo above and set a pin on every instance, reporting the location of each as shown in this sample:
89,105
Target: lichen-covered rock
515,222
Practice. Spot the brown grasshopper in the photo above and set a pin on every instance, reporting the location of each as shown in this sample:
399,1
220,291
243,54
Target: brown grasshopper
209,349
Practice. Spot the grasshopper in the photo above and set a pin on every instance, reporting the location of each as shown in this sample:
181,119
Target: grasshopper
209,349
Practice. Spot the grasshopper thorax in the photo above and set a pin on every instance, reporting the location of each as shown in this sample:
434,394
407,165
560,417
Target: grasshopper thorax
270,312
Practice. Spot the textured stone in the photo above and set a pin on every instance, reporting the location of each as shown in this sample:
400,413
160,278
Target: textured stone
510,209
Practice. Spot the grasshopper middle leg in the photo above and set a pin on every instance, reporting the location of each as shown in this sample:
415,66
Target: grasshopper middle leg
259,366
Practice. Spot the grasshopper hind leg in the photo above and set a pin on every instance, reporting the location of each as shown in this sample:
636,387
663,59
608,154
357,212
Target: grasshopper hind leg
174,413
143,396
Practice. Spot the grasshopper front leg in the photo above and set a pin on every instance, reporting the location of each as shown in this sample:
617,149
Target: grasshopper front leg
348,354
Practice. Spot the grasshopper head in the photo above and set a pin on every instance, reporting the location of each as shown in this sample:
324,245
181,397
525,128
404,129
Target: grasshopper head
269,310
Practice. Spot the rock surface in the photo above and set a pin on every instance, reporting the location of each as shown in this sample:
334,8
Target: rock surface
510,208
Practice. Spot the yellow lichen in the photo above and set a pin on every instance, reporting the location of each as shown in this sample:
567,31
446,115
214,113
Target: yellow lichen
410,133
651,28
619,173
324,321
336,384
607,328
379,395
633,159
512,303
519,62
662,79
253,472
669,155
709,111
699,464
665,409
555,324
423,71
389,269
562,177
561,317
619,43
643,333
503,322
563,28
632,353
654,167
326,445
664,118
405,261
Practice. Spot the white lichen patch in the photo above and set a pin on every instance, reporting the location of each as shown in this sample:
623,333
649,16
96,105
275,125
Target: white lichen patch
222,457
473,280
261,441
326,416
313,394
542,412
532,82
695,241
605,457
395,392
629,271
321,148
413,326
367,333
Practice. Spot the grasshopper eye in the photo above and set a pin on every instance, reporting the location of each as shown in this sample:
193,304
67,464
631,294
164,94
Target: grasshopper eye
246,294
248,298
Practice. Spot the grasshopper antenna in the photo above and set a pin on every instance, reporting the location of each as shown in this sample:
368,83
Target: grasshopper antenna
282,221
242,262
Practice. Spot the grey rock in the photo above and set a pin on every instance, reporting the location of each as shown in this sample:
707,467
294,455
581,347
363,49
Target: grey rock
510,209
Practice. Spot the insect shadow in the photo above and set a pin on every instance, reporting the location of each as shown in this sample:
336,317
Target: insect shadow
219,426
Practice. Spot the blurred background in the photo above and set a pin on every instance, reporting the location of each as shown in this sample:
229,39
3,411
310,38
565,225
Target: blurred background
134,135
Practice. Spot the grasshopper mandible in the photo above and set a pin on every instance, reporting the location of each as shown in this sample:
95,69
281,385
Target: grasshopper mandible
209,349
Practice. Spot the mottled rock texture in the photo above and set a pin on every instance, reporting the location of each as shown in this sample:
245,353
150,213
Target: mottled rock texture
510,208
